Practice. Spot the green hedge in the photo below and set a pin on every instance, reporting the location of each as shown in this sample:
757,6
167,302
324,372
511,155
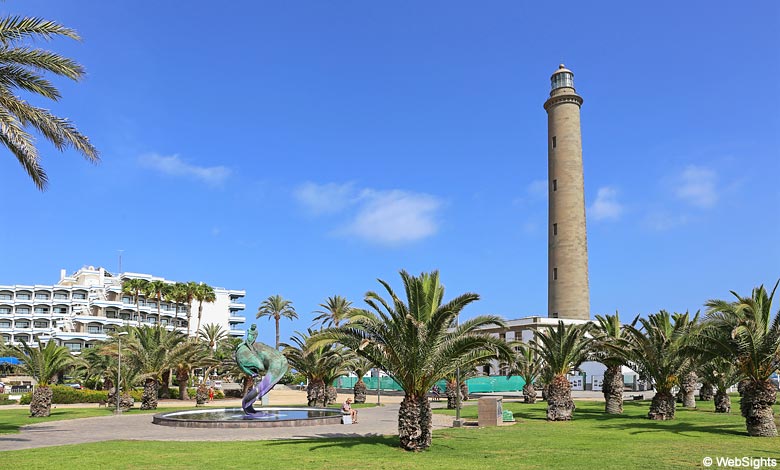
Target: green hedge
62,395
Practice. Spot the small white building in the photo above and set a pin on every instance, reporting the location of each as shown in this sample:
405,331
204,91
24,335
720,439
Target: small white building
81,308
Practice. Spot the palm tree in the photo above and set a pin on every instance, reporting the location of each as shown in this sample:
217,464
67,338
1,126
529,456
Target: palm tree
562,349
529,366
42,363
414,343
320,363
335,309
276,307
175,295
135,287
150,351
360,366
607,351
212,333
721,373
744,331
188,290
658,350
203,293
187,356
22,70
156,289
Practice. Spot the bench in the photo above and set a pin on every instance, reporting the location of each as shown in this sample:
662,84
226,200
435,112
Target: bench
637,397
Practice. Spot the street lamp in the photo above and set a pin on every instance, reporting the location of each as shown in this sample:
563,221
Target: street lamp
119,369
458,422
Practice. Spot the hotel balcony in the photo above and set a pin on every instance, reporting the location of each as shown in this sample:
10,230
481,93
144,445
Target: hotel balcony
236,333
236,319
236,305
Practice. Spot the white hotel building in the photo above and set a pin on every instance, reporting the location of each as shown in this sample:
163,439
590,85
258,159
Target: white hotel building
82,308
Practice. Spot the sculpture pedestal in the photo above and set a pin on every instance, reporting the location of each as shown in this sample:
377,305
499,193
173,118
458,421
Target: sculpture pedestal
490,411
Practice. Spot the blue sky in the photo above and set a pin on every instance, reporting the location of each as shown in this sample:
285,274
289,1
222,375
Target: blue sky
308,148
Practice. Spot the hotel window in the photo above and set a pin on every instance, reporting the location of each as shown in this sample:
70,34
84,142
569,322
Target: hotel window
73,346
555,185
5,324
22,311
79,295
94,329
5,311
41,310
22,324
41,324
61,296
554,142
555,274
555,229
42,296
126,300
22,296
5,296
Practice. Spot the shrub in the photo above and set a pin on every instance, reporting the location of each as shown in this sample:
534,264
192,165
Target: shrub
233,393
190,392
63,395
219,394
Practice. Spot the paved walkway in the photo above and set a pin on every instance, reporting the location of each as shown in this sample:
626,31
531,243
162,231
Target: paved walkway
377,421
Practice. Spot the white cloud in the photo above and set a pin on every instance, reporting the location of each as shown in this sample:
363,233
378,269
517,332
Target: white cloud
173,165
697,186
606,206
325,198
385,217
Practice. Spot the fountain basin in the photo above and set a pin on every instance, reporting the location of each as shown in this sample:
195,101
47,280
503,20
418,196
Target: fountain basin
269,417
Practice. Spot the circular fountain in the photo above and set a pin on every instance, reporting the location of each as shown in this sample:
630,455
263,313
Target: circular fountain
236,418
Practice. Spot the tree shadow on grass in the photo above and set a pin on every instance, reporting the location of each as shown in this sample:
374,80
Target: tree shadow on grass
677,427
326,440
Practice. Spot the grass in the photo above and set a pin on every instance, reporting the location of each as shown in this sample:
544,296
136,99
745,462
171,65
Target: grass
592,440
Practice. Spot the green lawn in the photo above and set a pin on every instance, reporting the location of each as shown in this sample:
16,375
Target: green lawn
592,440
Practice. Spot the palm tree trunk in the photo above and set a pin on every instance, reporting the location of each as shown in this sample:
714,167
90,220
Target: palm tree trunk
40,403
315,393
529,393
202,394
706,391
756,406
613,390
276,319
688,388
359,391
165,387
200,313
722,402
414,423
449,390
464,391
149,398
560,406
331,395
662,406
182,377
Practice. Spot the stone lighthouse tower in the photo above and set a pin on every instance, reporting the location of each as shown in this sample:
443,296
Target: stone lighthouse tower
568,295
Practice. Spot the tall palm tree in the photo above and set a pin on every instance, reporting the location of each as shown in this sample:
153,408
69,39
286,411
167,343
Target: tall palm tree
203,293
42,363
276,307
415,343
528,365
188,290
562,349
23,69
174,294
334,310
744,331
658,350
212,334
150,352
320,363
607,351
156,290
135,287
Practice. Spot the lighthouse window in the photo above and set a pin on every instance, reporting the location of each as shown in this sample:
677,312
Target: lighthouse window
555,274
555,315
555,229
555,185
554,142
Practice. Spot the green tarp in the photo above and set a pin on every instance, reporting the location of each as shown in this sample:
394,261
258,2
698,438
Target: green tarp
490,384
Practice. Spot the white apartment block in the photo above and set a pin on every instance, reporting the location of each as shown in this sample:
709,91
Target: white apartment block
84,307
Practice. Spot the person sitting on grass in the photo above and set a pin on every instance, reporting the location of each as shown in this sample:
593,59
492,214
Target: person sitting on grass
347,408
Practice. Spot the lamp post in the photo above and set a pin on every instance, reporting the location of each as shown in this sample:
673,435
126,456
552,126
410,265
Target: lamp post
378,386
119,369
458,422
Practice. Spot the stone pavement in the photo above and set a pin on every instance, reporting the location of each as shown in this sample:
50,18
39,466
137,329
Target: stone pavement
376,421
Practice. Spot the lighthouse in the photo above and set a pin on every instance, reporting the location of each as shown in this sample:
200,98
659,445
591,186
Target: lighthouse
568,294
